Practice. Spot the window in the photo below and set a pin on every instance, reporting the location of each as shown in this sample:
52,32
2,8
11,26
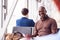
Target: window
16,12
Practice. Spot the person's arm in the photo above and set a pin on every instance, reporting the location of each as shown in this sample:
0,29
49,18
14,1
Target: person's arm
54,27
32,23
35,30
16,22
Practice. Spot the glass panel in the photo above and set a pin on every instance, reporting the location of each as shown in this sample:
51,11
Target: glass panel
16,13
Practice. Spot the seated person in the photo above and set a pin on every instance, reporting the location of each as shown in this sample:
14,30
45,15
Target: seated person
17,36
45,25
45,28
8,36
24,21
20,36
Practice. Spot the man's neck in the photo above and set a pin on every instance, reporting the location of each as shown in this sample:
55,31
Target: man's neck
26,16
43,19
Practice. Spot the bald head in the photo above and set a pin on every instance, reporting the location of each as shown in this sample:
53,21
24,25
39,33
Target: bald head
42,9
42,12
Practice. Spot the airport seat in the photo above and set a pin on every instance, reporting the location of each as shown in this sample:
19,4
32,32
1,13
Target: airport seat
24,30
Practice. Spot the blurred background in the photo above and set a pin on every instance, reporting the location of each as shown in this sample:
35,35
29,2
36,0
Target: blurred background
10,11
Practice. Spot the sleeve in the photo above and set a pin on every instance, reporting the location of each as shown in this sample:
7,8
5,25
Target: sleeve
53,27
17,23
33,23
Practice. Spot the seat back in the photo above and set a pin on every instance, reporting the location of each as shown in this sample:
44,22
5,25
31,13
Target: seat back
24,30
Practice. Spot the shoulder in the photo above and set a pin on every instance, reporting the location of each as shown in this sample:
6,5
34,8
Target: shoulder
18,19
52,20
30,20
38,22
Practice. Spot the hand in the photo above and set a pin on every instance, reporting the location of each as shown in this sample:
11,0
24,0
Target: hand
27,36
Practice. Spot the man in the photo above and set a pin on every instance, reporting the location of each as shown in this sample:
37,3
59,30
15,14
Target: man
17,36
45,25
8,36
24,21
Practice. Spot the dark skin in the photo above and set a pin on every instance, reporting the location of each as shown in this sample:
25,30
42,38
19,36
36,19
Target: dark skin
45,25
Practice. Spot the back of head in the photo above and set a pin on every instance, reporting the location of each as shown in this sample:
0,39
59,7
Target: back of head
25,11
